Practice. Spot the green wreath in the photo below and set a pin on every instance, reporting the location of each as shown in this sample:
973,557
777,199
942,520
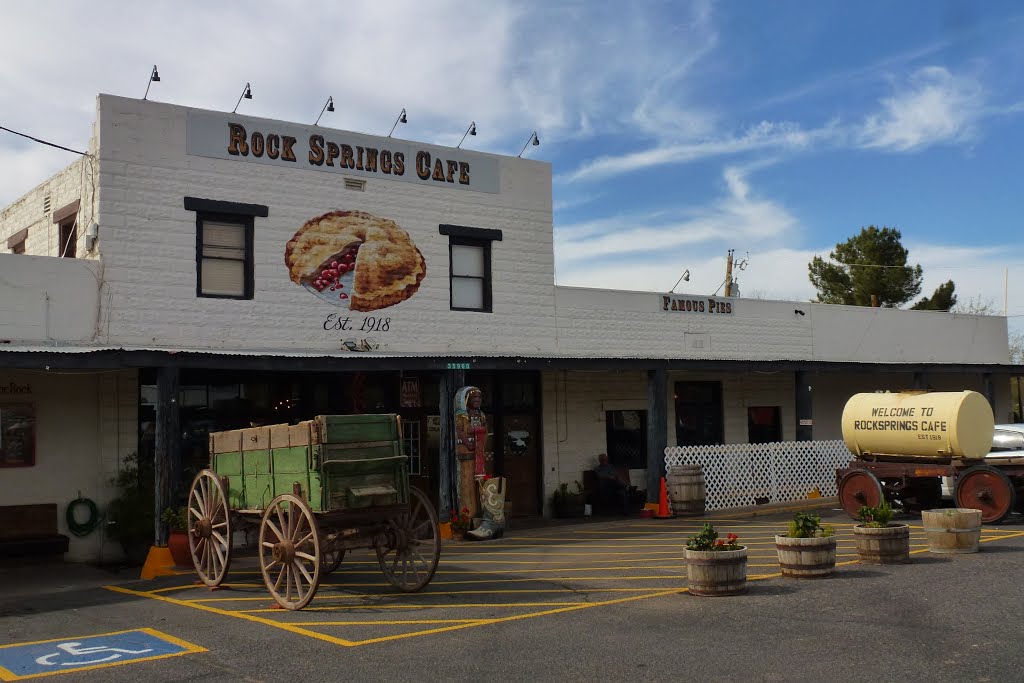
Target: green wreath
84,528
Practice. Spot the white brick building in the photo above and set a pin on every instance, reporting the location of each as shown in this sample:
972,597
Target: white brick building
169,196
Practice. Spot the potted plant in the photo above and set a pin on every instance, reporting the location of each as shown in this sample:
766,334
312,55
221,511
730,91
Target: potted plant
715,566
878,540
808,550
130,515
460,523
568,504
176,520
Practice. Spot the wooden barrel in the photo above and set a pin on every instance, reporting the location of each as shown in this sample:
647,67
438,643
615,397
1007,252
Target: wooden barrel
685,484
956,530
883,545
716,572
806,558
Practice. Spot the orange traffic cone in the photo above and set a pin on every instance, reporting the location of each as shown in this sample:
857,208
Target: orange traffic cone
664,512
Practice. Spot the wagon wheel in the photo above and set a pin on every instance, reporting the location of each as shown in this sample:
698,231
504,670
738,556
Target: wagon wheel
987,489
290,556
209,524
859,487
413,548
330,558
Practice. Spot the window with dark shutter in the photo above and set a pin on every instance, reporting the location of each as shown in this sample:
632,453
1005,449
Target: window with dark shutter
224,247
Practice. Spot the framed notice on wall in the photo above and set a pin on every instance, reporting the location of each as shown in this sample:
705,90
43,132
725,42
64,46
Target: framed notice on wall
17,435
410,392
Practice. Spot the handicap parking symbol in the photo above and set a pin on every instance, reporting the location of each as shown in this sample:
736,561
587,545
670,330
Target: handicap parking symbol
41,658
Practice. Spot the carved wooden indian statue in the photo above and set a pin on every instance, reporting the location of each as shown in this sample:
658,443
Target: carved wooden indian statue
474,479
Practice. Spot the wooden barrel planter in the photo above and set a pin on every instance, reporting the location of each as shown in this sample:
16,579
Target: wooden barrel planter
883,545
716,572
952,531
806,558
685,484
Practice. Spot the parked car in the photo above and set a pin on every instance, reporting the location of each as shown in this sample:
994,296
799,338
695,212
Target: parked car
1007,442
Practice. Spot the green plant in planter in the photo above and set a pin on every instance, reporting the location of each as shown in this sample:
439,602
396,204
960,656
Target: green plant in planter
877,516
707,539
805,525
175,518
565,503
130,515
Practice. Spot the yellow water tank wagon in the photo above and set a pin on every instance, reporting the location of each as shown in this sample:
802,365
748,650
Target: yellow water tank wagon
943,424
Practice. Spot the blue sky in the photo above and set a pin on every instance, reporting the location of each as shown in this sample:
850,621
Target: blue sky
676,130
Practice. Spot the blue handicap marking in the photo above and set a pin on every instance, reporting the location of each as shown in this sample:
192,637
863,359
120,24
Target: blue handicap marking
55,656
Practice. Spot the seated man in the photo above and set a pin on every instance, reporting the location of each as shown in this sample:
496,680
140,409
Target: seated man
613,483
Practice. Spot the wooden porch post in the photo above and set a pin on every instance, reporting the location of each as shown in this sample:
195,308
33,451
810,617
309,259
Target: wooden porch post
989,389
804,406
657,430
168,438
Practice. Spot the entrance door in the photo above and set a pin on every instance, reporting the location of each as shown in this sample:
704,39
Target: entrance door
520,448
699,414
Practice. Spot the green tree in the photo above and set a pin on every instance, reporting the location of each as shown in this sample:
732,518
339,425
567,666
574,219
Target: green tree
943,299
873,262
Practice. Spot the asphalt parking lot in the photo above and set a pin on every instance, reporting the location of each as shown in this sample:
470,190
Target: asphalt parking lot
564,585
528,575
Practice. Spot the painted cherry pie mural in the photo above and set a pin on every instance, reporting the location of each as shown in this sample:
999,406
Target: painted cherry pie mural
355,260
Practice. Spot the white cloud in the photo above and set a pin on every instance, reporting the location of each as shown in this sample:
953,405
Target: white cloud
936,107
737,215
764,136
510,67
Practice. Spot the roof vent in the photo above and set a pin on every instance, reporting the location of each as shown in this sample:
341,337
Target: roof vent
355,184
46,203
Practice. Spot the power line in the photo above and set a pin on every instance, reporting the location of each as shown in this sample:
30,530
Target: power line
44,142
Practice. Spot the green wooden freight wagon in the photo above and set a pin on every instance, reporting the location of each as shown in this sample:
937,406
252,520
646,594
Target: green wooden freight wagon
315,489
343,462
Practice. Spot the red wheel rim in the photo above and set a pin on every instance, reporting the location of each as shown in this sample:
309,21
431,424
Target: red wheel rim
988,490
857,489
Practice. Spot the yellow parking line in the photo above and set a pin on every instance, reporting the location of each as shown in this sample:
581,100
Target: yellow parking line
472,605
248,617
444,582
516,617
397,622
432,594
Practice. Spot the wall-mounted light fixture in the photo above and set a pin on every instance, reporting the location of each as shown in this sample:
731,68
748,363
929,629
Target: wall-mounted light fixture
327,107
469,131
534,139
246,93
685,277
401,119
154,77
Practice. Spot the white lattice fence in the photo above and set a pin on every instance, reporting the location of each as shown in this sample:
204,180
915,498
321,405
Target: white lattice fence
750,473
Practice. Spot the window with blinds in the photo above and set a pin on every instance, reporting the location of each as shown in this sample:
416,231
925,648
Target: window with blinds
470,275
225,258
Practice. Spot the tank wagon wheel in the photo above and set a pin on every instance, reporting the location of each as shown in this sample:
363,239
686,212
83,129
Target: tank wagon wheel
290,556
330,558
409,557
209,524
987,489
859,487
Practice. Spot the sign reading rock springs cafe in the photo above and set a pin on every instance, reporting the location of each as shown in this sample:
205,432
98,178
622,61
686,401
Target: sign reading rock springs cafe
275,143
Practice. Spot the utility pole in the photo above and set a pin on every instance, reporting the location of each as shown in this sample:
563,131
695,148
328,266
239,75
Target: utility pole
728,273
